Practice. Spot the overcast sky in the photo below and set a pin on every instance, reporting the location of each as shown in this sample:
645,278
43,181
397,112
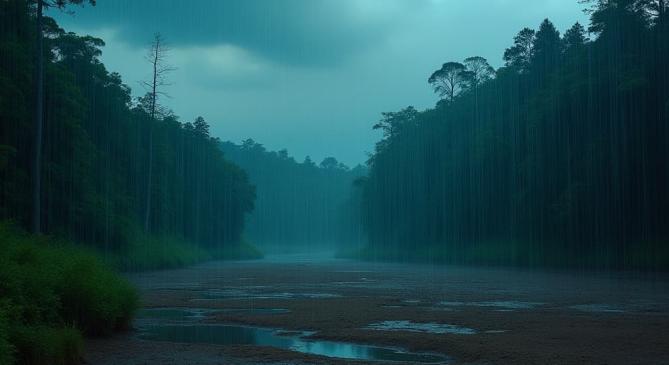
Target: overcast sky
311,76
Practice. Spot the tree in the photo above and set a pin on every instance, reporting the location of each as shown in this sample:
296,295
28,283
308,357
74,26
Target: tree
283,154
329,163
156,57
520,54
392,123
480,70
546,48
308,162
450,80
616,15
39,104
201,127
248,144
574,38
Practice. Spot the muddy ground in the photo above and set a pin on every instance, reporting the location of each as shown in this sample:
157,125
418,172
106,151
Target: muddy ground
518,316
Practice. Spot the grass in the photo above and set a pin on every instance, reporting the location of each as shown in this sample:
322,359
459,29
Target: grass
51,294
152,253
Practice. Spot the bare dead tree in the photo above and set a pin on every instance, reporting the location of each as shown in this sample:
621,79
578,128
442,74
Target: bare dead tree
157,57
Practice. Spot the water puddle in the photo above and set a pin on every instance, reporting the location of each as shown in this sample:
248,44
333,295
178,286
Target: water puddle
245,294
243,335
173,314
597,308
501,305
198,314
408,326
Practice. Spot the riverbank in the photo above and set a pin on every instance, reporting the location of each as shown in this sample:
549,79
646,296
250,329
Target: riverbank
54,293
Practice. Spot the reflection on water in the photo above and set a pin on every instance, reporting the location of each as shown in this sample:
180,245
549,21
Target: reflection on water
242,335
173,314
502,304
246,294
408,326
197,314
597,308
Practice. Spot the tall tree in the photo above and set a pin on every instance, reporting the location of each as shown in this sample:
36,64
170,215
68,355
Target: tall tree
546,48
39,104
329,163
520,54
481,72
392,123
574,38
201,126
450,80
157,58
480,69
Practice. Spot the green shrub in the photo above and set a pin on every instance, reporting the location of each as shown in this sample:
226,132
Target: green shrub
6,349
149,253
51,293
47,345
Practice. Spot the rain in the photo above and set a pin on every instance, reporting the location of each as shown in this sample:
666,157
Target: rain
300,182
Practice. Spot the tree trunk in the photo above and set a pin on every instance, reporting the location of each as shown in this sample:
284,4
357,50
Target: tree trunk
147,216
39,124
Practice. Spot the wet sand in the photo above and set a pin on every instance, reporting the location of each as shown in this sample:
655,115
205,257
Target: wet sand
511,316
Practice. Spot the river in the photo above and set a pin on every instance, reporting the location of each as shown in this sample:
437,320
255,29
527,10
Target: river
316,309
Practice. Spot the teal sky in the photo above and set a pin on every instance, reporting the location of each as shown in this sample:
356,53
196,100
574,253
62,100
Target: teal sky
311,76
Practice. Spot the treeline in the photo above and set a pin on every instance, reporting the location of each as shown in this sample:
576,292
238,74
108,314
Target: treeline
560,157
299,204
99,146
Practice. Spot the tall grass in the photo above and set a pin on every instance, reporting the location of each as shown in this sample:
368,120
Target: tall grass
51,293
147,252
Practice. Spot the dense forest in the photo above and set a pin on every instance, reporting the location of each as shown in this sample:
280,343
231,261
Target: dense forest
99,179
299,205
558,157
112,169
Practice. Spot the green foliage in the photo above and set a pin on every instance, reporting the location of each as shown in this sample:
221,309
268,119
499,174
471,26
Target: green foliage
51,292
560,159
41,345
149,252
95,164
6,348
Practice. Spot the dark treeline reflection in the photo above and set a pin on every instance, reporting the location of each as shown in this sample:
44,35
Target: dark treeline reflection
299,205
559,157
96,147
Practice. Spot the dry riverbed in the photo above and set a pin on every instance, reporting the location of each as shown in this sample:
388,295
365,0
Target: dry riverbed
429,314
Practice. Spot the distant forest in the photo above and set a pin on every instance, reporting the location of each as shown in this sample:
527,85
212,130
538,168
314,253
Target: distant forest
299,205
559,157
113,168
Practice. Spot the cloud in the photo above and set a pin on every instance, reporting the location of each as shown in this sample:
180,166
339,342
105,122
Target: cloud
295,32
308,75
